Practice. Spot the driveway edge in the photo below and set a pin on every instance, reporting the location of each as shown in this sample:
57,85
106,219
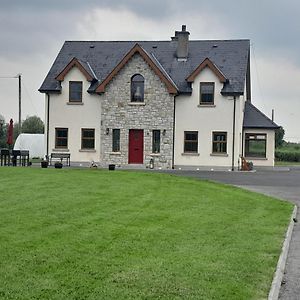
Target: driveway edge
278,276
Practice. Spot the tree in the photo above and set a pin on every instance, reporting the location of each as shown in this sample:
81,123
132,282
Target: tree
2,132
279,134
33,124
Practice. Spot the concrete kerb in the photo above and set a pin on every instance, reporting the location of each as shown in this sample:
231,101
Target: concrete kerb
278,276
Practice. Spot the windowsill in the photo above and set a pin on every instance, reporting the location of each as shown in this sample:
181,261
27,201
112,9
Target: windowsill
206,105
155,154
137,103
219,154
60,150
190,154
87,150
255,158
74,103
114,153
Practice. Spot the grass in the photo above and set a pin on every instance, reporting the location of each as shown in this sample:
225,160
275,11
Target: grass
92,234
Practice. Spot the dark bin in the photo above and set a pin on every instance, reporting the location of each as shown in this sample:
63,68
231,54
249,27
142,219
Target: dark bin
44,164
111,167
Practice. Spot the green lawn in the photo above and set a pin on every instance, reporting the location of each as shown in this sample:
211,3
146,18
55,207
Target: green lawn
92,234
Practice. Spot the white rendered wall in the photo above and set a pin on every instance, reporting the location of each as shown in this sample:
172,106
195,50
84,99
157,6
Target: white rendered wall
192,117
270,156
75,117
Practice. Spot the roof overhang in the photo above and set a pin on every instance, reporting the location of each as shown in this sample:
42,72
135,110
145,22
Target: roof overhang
137,49
207,63
74,63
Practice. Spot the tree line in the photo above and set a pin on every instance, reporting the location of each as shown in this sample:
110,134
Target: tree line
32,124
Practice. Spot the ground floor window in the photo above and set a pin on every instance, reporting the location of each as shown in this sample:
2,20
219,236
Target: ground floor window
61,138
219,142
116,140
156,141
255,145
191,142
87,138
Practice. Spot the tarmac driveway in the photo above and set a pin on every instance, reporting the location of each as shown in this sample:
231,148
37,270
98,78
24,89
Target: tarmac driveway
281,183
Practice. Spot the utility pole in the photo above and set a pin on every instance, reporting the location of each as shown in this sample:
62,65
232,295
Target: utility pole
20,96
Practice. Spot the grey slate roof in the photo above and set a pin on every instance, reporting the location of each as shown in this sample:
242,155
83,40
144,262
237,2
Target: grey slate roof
254,118
230,56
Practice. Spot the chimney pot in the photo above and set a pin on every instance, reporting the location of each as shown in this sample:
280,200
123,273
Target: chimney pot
183,27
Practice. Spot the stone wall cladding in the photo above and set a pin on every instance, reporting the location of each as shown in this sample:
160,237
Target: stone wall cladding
117,113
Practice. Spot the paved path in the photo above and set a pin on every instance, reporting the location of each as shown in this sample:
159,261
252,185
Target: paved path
280,184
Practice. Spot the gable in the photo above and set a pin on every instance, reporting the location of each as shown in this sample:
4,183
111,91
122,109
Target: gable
207,63
74,63
137,49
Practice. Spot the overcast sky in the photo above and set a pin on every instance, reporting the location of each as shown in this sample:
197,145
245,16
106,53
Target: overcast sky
33,31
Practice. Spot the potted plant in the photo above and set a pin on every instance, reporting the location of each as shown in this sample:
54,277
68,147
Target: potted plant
58,165
44,163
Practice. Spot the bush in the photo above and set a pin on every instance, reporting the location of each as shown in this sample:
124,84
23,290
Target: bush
292,156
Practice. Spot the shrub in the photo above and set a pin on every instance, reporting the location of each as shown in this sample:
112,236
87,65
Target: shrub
287,156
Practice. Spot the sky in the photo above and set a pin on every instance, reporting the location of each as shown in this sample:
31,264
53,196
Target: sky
33,31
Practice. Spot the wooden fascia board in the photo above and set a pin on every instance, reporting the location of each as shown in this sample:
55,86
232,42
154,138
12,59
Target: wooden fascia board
206,63
137,49
73,63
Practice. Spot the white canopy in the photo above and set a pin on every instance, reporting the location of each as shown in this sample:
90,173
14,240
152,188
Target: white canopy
32,142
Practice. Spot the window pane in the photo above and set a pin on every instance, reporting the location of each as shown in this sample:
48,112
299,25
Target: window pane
137,88
116,140
191,141
255,145
75,91
207,92
88,138
61,137
156,141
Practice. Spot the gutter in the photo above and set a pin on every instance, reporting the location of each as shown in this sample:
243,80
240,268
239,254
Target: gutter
47,141
233,133
173,150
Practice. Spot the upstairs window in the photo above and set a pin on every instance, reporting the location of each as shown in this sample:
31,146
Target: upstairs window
137,88
156,141
75,91
207,93
219,142
61,138
87,138
255,145
191,142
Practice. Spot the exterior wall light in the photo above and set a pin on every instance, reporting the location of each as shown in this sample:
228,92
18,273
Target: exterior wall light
164,132
107,131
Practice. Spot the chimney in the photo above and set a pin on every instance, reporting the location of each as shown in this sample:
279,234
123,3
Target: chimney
182,38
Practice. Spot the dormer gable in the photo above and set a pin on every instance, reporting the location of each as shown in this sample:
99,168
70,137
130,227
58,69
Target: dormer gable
138,49
83,67
207,63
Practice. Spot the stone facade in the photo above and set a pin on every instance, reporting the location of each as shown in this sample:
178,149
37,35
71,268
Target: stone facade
155,113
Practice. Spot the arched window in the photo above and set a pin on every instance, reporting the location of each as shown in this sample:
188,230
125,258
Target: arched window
137,88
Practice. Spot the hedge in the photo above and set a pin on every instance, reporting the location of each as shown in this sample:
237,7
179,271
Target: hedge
287,156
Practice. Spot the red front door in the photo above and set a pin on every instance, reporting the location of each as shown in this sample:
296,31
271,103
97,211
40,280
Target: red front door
136,146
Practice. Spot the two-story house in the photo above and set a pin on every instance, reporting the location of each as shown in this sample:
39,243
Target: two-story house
177,103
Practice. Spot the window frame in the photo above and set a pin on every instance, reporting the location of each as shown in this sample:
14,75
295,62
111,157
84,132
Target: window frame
156,142
87,138
116,143
61,138
134,83
247,139
190,141
202,84
70,92
219,142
